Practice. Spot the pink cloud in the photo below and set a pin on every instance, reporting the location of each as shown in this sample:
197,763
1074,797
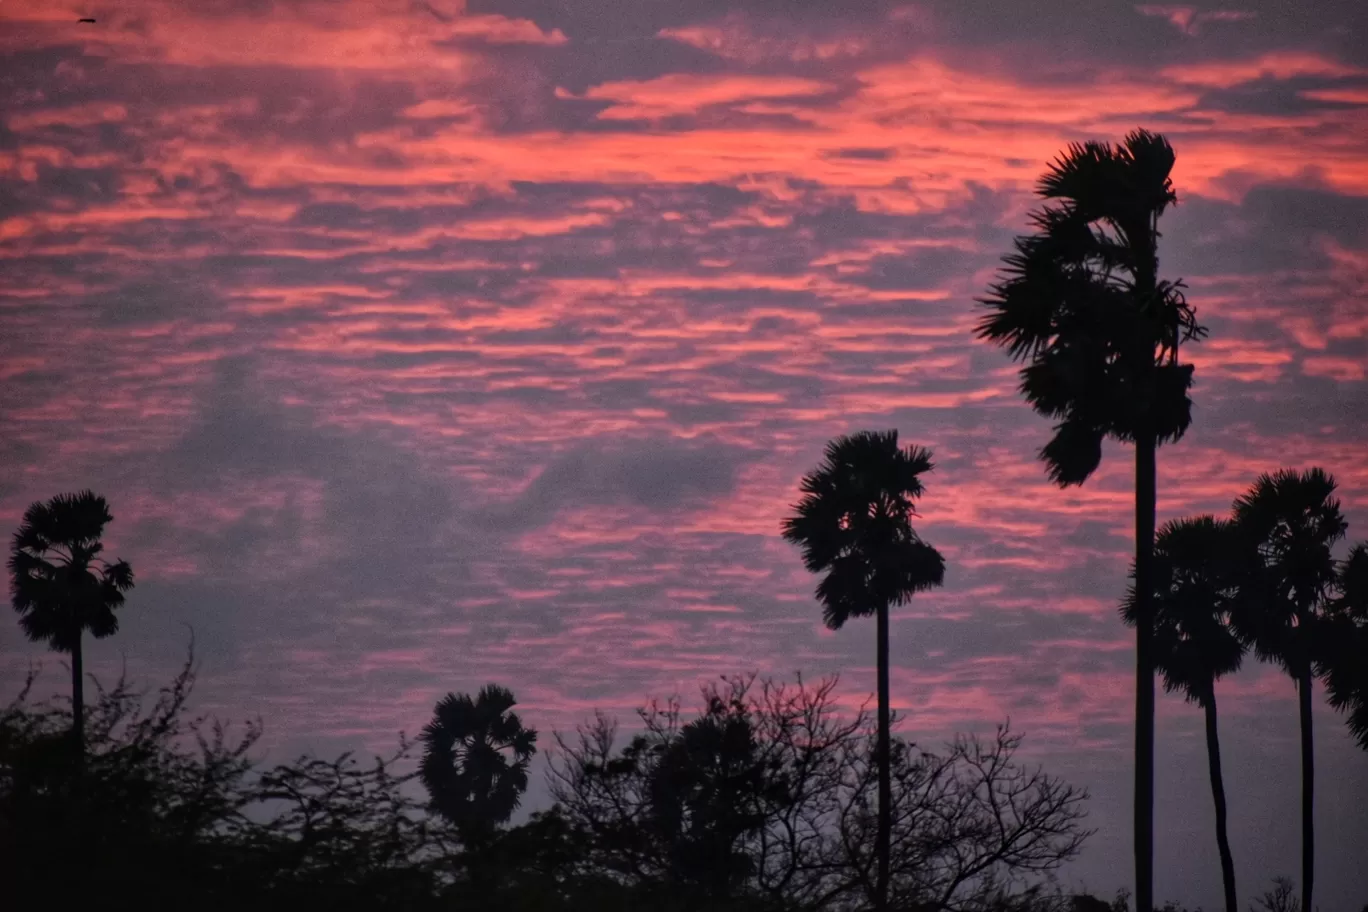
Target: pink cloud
1189,20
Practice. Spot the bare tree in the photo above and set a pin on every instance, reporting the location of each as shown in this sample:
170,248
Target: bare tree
1282,898
785,801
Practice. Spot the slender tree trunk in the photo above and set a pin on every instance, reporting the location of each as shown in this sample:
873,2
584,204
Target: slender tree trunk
1218,798
881,847
1145,508
78,703
1308,791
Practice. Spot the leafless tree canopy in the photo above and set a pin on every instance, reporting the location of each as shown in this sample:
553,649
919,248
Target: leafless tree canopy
769,793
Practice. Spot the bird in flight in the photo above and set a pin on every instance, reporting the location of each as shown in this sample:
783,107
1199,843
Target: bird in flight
91,21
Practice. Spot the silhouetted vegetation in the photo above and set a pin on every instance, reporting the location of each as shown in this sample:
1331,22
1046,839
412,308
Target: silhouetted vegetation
764,800
60,585
1081,300
1289,521
854,524
769,797
1197,584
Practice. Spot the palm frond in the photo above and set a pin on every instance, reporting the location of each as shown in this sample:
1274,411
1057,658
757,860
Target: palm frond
1353,584
1073,453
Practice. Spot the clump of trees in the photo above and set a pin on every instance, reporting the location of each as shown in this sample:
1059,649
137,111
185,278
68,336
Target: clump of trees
765,799
768,799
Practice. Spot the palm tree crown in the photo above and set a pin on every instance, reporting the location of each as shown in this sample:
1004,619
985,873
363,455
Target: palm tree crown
1081,302
854,524
475,760
1292,520
60,585
1196,584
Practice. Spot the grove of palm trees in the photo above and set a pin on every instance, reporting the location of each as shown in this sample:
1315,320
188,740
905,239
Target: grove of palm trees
769,795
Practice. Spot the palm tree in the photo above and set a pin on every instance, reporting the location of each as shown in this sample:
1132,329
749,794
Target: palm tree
475,760
1196,580
854,523
1342,650
1082,302
62,588
1292,520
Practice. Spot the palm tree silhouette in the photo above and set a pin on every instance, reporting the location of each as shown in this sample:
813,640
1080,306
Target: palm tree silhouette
854,524
1291,520
475,759
1343,644
1082,302
1196,581
62,588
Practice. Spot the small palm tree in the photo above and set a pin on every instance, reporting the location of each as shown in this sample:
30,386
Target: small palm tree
62,588
1081,300
475,760
1291,520
854,523
1196,582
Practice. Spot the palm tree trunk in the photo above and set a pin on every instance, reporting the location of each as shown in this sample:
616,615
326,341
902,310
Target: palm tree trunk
1145,508
882,843
78,703
1308,791
1218,798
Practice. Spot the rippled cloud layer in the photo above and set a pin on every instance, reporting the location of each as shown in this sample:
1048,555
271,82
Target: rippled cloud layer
418,345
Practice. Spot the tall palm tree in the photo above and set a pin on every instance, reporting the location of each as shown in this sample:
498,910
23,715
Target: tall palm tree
475,759
854,523
1081,300
1196,582
1292,520
62,588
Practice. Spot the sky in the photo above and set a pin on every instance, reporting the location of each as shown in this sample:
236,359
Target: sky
419,345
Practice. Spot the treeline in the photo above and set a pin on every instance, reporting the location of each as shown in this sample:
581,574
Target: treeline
764,799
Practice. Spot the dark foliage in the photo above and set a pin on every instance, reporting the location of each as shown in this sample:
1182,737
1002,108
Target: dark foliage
171,811
767,798
762,802
62,587
475,758
1080,301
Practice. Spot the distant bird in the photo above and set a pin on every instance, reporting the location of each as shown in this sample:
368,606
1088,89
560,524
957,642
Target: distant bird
91,21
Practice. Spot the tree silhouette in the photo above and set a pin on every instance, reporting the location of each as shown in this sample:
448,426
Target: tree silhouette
854,524
767,801
1082,302
1291,520
1342,648
1196,581
62,588
475,759
709,790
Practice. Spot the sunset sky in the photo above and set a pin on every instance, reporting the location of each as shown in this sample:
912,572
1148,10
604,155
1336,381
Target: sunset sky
419,345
